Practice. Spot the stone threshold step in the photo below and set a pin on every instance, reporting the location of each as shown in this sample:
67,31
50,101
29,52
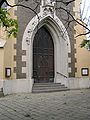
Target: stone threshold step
48,87
47,84
50,90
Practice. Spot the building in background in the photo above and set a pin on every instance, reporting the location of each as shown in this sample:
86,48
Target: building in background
45,50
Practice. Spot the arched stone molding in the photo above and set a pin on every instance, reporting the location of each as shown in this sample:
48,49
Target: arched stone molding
61,45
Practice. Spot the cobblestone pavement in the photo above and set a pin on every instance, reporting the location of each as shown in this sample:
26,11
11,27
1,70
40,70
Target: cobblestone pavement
68,105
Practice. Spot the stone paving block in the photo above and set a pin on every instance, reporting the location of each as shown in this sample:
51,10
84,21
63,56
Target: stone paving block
67,105
3,117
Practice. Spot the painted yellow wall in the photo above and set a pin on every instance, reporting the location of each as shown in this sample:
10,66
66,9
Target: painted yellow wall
2,37
82,54
8,52
8,55
1,63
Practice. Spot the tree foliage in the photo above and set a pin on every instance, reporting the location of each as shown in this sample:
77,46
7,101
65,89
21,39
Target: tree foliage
85,43
10,25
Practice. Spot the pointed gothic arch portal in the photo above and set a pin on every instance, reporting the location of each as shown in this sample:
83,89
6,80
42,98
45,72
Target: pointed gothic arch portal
43,56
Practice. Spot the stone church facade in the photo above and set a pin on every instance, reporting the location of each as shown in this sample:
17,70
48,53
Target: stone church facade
45,50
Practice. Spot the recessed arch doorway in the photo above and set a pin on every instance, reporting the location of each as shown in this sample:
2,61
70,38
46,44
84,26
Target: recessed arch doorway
61,46
43,56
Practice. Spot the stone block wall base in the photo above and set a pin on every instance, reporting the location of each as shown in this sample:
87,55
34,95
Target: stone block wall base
25,86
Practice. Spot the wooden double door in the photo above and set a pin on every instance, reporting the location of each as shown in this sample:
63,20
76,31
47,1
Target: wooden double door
43,57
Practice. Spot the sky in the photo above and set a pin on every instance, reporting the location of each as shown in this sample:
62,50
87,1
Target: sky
85,8
85,12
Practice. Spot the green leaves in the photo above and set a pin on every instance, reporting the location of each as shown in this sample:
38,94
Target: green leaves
85,43
11,25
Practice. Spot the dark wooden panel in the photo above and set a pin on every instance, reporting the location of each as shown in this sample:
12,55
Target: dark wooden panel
43,56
